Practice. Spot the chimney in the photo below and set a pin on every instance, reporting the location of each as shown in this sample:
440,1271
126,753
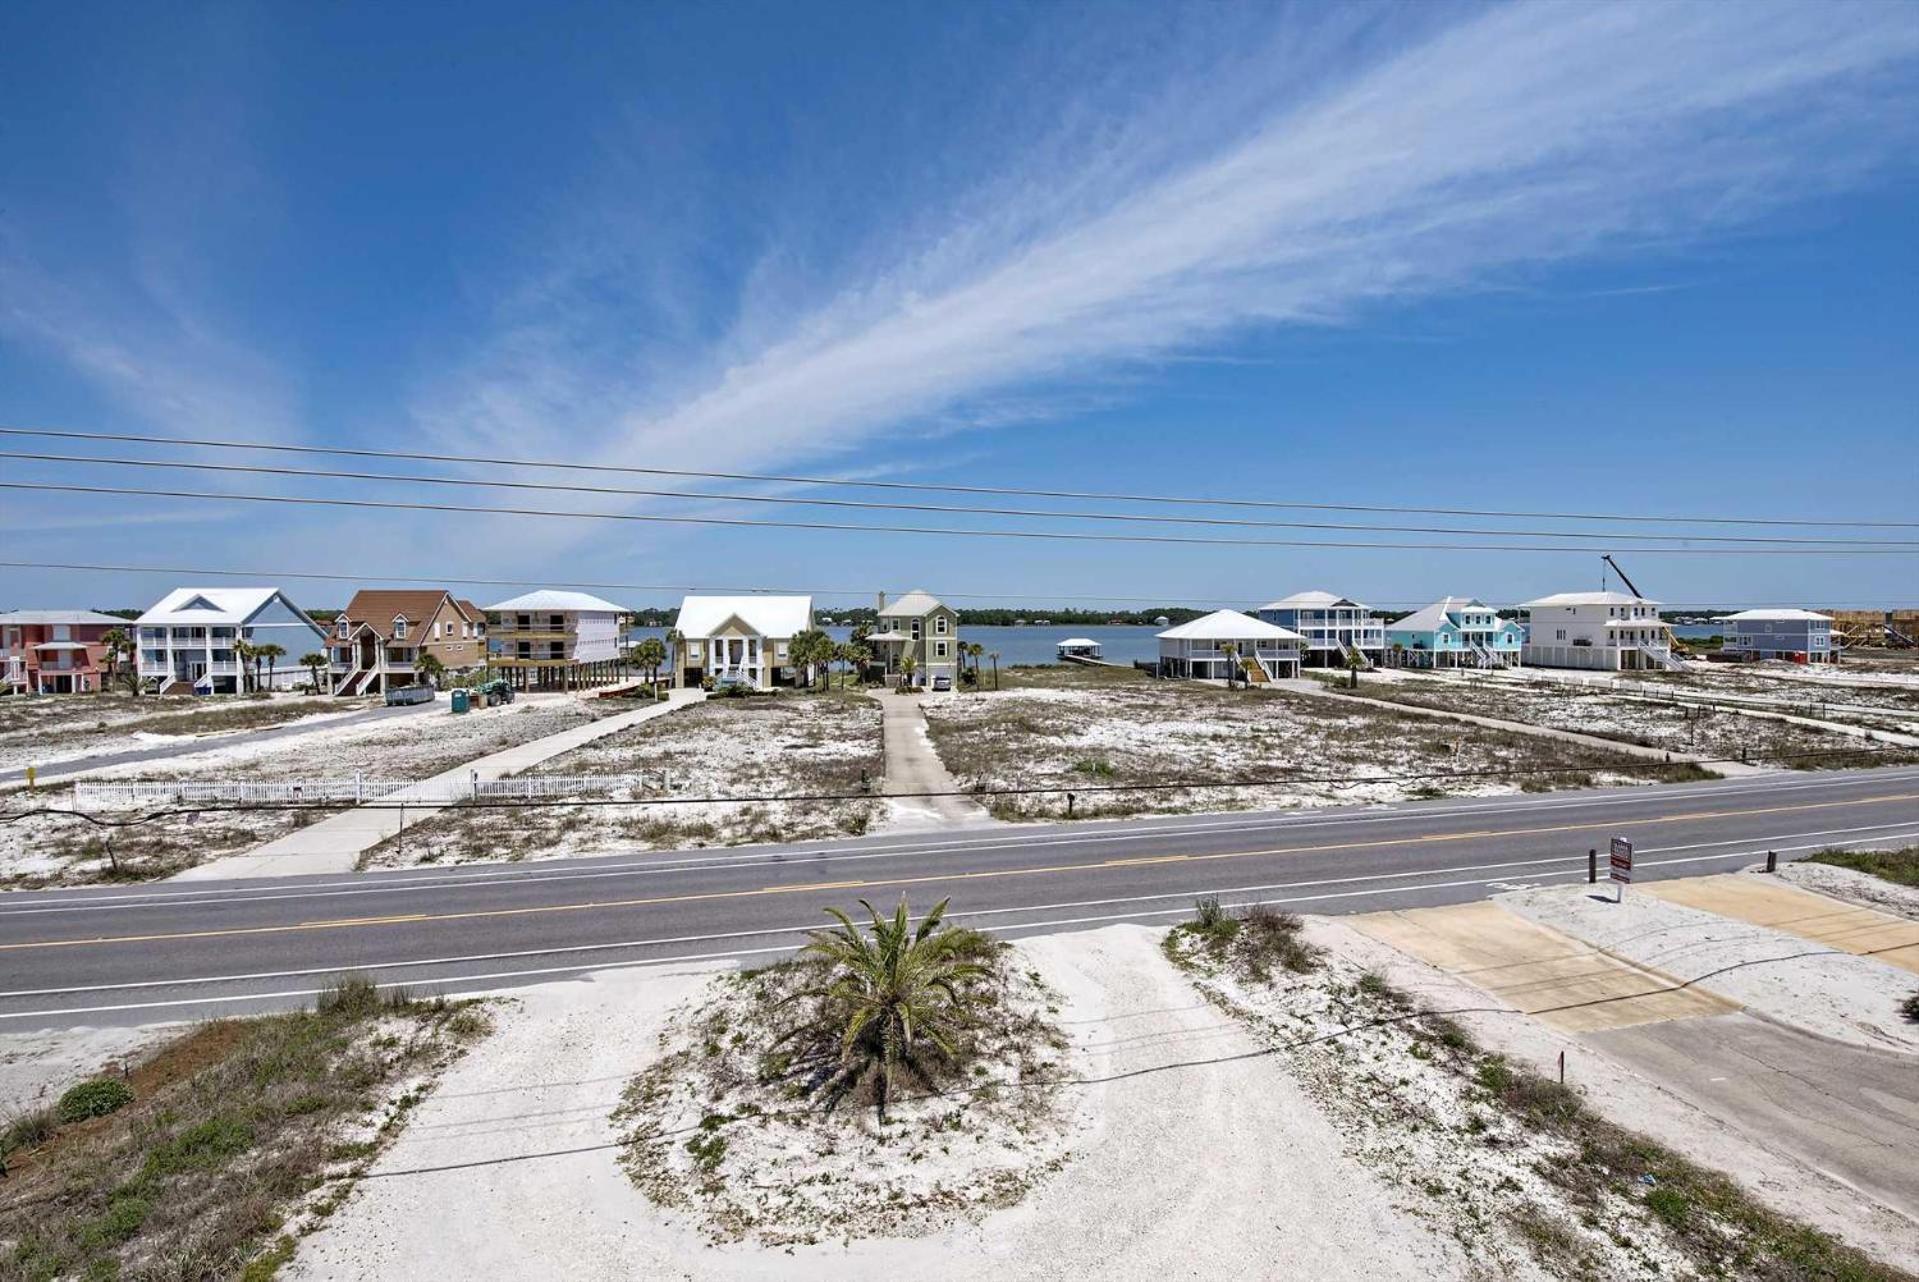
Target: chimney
880,603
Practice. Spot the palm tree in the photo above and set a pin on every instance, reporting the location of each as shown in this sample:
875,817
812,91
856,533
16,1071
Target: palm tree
313,661
650,654
813,650
1231,652
974,650
908,665
994,656
1352,666
429,666
114,642
899,997
272,652
861,655
244,654
675,639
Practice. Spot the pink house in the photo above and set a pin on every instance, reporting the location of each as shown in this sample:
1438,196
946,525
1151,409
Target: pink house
54,651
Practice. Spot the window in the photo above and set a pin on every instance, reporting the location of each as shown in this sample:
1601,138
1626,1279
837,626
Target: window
939,649
344,626
399,629
1561,636
939,624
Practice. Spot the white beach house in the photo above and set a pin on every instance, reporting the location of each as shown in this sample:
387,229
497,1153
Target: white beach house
740,639
188,642
555,640
1610,631
1334,628
1261,651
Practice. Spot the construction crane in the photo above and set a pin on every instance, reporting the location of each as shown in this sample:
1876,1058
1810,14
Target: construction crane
1607,558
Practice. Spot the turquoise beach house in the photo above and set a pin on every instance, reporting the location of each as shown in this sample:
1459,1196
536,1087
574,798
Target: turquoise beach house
1455,632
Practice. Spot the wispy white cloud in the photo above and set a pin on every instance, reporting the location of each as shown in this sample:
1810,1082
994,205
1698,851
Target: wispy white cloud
1528,135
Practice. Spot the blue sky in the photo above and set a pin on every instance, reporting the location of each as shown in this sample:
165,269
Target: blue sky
1620,258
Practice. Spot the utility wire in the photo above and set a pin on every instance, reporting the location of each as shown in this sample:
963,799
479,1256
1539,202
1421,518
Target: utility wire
925,486
950,509
943,531
1168,600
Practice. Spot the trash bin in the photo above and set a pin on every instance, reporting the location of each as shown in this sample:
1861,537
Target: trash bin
460,701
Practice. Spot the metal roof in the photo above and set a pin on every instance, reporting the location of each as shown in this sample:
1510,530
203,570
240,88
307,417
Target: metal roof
770,616
42,618
1783,615
1229,625
563,602
198,606
1314,600
1587,598
917,602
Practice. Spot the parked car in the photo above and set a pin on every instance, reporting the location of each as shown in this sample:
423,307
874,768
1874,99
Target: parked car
942,682
419,692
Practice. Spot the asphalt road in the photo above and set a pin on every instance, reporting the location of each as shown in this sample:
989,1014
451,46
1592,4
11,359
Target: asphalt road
207,743
120,955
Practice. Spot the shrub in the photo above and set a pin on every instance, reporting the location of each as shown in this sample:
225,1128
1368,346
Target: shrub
1910,1008
94,1098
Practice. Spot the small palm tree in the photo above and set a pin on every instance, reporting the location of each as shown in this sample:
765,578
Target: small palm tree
861,655
114,643
907,667
244,654
900,997
650,655
994,656
313,661
429,666
272,652
1353,662
1231,652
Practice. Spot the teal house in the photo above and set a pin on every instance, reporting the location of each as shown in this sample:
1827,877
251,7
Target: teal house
1454,632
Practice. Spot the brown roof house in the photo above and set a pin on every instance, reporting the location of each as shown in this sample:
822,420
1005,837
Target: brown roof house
378,640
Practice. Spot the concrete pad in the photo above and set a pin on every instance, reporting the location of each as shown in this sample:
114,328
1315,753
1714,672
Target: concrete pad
1542,972
1764,901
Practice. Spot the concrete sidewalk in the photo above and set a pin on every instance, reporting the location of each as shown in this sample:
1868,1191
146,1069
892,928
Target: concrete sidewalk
912,766
335,844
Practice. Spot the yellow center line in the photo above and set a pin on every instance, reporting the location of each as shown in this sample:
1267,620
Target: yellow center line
477,914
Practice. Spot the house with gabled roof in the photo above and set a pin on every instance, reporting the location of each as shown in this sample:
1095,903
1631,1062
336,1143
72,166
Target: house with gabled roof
376,644
921,626
554,639
188,642
1229,646
1455,632
1607,631
739,640
55,651
1335,628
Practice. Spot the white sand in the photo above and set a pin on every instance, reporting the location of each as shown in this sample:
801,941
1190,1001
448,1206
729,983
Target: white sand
1854,887
1776,975
1206,1160
1634,1100
36,1067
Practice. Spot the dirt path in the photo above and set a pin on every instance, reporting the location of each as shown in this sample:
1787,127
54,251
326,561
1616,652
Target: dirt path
1202,1158
912,766
335,844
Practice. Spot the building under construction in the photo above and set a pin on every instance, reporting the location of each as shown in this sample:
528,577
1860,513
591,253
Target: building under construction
1874,629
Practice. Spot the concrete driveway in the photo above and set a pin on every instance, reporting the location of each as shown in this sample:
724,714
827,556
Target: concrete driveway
913,767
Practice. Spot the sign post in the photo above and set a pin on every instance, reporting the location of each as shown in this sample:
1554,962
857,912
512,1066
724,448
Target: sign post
1621,867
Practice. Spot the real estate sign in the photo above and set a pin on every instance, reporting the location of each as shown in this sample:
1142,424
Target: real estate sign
1621,859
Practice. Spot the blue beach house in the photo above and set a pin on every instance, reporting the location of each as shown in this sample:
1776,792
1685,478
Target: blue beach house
1455,632
1798,636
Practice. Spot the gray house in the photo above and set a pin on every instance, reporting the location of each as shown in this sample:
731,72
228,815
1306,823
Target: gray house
1798,636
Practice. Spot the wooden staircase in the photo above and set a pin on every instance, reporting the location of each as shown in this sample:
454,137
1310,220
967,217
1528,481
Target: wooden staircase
1255,675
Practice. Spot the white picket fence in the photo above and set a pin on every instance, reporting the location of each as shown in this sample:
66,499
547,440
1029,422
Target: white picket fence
137,794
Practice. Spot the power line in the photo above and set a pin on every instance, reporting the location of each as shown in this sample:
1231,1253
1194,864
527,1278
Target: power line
1622,764
926,486
1173,599
942,531
464,483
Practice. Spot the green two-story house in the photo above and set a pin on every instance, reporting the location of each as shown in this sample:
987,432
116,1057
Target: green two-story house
919,624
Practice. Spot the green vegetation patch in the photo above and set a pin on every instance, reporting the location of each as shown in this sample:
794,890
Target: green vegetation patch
1901,866
192,1167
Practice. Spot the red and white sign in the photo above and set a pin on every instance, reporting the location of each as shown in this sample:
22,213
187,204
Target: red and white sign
1621,859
